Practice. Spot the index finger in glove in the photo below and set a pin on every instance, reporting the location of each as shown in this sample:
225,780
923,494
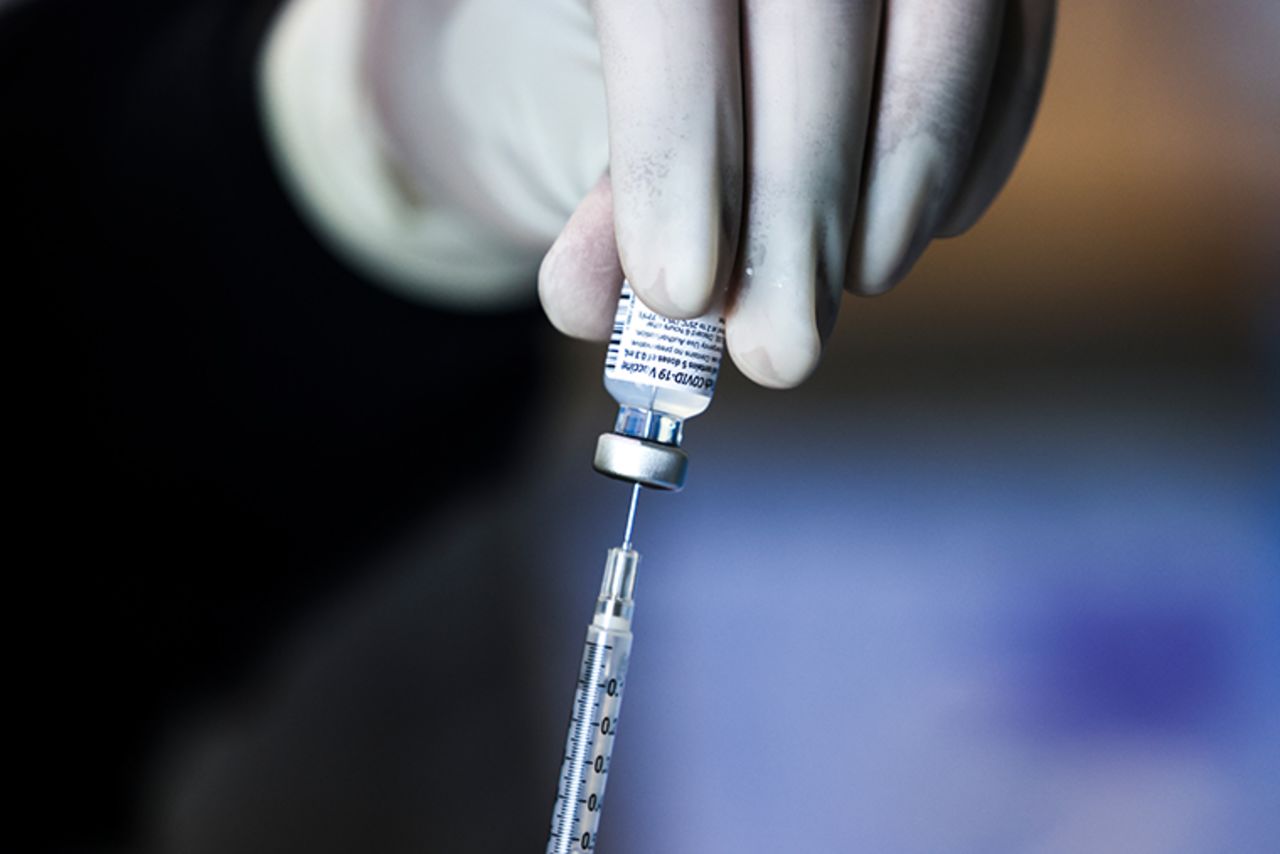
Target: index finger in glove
674,93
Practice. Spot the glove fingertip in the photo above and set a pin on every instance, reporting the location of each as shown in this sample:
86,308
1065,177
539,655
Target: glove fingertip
572,306
580,276
681,288
770,359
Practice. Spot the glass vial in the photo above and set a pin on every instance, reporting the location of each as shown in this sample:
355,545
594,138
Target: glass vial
661,372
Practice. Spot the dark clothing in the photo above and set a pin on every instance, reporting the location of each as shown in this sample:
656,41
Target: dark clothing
215,414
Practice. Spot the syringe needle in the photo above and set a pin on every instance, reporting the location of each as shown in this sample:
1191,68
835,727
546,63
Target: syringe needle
631,517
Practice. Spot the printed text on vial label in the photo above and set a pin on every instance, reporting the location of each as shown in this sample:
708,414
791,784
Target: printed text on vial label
674,353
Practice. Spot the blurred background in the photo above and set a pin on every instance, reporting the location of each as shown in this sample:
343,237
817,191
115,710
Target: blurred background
1003,577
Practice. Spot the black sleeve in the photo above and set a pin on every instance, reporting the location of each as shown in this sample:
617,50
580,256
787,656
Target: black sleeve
213,414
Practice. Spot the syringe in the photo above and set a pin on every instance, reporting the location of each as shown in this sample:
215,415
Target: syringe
661,372
597,699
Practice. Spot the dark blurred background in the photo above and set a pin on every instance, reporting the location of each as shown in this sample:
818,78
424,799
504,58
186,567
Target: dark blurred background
1004,576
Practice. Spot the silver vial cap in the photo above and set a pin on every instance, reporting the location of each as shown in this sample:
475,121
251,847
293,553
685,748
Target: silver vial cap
650,464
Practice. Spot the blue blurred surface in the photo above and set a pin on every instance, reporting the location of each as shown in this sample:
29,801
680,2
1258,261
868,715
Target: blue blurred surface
1039,624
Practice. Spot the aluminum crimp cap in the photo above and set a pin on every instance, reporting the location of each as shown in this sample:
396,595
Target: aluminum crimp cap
650,464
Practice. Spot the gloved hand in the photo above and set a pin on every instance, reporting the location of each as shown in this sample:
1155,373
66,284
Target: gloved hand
776,151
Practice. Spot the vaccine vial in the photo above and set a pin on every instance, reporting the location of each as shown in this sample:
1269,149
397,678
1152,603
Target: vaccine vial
661,372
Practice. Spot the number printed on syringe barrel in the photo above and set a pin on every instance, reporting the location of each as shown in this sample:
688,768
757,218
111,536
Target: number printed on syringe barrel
593,722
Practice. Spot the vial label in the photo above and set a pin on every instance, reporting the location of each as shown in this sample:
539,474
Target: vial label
650,349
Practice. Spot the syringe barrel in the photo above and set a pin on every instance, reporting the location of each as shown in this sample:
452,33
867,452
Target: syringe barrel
597,700
588,750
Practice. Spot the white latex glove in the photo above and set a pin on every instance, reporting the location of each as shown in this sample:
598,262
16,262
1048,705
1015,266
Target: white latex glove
781,150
